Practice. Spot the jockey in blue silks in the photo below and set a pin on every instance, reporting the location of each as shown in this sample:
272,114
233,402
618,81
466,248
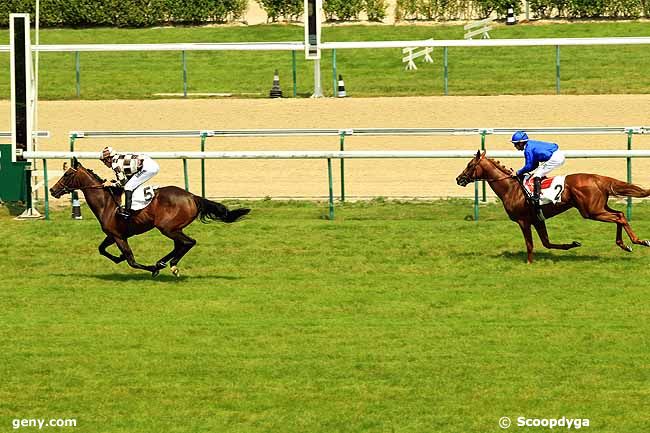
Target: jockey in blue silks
541,158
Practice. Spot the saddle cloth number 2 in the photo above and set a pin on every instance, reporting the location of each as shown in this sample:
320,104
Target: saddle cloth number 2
559,188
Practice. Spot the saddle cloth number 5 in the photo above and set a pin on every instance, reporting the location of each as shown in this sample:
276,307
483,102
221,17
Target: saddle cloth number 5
148,193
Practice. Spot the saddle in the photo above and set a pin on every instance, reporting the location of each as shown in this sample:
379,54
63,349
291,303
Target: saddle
552,188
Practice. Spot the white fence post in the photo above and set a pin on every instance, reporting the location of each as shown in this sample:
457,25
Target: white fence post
483,30
408,59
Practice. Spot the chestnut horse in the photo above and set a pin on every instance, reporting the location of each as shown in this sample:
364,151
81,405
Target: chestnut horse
170,211
586,192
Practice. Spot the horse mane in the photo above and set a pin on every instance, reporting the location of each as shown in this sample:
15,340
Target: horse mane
95,175
500,166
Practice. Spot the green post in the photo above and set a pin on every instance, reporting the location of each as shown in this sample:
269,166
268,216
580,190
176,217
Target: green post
187,180
331,189
475,201
293,67
28,186
446,71
557,69
203,137
74,195
342,147
335,83
629,174
47,193
483,149
77,67
184,74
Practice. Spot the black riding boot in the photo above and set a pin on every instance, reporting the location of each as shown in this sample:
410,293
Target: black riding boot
125,212
537,192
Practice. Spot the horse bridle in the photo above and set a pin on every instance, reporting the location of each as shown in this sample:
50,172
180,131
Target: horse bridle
67,190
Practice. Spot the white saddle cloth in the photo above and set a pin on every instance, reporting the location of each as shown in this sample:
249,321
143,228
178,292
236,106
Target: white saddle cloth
142,196
552,189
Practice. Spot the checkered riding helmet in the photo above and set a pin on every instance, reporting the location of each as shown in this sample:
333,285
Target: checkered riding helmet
519,137
107,153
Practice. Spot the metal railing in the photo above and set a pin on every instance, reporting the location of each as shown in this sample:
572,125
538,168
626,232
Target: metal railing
300,46
342,133
329,155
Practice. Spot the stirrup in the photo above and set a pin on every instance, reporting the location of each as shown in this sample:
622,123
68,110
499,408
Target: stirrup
123,213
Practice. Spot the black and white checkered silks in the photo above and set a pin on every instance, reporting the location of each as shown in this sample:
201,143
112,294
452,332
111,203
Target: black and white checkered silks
133,170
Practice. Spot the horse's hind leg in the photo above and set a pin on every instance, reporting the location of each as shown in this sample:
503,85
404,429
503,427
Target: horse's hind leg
543,236
107,242
123,245
182,245
162,263
622,223
599,211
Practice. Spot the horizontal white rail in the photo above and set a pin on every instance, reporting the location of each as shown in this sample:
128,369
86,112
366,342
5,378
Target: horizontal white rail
579,130
359,154
239,46
484,30
479,23
300,46
39,134
489,43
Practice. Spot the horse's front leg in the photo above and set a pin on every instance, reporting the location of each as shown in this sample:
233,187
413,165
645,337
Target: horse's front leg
107,242
540,226
123,245
528,237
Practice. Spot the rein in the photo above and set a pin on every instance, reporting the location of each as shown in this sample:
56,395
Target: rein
499,179
82,188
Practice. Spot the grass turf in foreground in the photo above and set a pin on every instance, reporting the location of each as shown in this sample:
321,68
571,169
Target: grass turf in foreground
395,317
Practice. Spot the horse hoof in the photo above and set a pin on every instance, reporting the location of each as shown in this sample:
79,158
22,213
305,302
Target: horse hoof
627,248
645,243
175,271
161,265
155,273
576,244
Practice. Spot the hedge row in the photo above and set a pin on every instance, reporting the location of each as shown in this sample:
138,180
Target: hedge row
472,9
126,13
590,8
143,13
343,10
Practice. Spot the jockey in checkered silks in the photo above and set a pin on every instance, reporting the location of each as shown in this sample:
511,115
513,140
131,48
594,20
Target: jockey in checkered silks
131,170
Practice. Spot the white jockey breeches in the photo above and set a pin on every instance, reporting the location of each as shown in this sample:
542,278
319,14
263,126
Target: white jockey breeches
149,169
556,160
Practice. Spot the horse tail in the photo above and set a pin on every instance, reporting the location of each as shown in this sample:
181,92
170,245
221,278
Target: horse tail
624,189
211,210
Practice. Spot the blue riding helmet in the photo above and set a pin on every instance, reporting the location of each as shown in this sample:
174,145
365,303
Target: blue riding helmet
519,137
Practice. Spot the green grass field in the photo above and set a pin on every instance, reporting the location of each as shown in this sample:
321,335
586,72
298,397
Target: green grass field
472,71
395,317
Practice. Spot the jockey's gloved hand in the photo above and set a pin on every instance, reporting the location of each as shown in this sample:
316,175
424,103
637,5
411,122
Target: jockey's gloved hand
109,183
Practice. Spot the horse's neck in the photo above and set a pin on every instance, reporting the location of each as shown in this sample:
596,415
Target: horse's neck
498,180
98,201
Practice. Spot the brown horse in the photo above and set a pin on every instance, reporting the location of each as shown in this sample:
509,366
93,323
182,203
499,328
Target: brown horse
170,211
586,192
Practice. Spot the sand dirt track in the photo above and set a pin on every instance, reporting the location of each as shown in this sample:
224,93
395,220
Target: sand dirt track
364,178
